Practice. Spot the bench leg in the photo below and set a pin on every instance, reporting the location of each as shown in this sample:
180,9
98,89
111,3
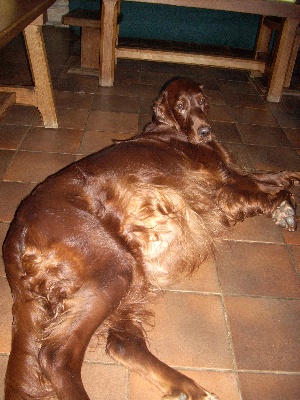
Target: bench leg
108,40
262,44
282,57
263,39
40,73
90,45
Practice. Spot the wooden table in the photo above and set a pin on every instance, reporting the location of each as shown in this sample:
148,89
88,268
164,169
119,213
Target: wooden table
109,51
27,16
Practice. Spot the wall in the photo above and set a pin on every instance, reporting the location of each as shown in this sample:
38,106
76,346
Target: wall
59,8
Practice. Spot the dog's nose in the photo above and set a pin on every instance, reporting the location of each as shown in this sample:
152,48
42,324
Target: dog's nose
204,131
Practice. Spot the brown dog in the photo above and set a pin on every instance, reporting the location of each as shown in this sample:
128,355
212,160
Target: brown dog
91,243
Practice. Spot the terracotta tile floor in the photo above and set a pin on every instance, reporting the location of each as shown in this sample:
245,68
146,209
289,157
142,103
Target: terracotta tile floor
234,327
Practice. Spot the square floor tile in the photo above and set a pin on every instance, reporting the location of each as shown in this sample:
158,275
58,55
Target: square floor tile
112,122
220,113
269,386
76,83
253,116
36,166
265,333
95,141
263,135
288,120
11,136
78,100
3,231
292,237
226,132
11,194
205,279
190,331
257,229
256,269
21,115
6,316
6,157
239,154
244,100
295,254
215,97
109,380
61,140
68,118
3,366
274,158
233,86
116,103
293,136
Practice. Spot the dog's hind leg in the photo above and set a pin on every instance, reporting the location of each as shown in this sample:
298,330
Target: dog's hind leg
62,353
46,363
24,378
128,347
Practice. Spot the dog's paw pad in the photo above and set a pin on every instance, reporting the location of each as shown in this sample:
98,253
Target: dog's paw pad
285,216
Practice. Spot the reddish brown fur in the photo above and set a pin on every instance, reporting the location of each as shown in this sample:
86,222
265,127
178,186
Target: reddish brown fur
89,245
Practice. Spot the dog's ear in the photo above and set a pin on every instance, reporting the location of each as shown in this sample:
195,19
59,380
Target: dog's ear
163,112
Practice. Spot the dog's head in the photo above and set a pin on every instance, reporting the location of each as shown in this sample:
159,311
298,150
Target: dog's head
183,106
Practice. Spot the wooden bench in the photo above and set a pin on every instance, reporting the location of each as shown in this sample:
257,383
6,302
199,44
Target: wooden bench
267,45
27,16
289,11
293,57
89,22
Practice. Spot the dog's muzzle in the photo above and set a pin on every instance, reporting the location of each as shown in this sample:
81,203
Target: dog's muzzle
205,133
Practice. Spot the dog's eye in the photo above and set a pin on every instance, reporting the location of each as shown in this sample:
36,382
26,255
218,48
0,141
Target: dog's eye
179,106
202,101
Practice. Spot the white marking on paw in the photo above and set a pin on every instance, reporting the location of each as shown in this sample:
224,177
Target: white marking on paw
285,216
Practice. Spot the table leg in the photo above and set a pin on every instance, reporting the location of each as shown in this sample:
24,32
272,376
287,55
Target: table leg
40,73
280,64
292,60
108,39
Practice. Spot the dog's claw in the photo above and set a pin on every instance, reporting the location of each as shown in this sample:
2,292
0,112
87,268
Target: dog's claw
285,216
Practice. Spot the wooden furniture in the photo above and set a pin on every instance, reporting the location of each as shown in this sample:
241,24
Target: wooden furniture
292,60
290,12
89,22
27,16
268,43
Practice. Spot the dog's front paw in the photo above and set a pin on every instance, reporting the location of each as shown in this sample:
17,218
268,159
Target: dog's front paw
184,396
285,216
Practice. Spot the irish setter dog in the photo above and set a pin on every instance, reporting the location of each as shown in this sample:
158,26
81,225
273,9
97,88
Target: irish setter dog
90,246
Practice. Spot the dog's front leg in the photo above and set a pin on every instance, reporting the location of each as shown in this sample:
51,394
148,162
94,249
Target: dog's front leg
128,347
246,196
272,181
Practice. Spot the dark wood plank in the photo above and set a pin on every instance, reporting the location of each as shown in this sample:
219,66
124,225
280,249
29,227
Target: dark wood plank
15,15
279,8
